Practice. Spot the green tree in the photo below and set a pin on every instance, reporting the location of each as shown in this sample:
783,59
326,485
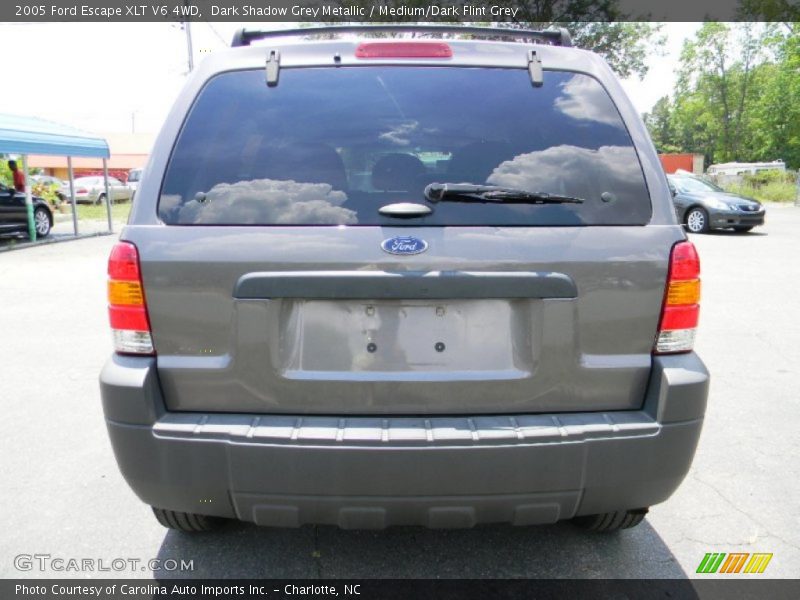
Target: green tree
598,26
625,45
737,95
660,124
776,119
715,94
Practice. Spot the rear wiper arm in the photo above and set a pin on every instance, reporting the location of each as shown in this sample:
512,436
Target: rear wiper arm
469,192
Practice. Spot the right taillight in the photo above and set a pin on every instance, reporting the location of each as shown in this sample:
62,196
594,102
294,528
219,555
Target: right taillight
127,309
681,302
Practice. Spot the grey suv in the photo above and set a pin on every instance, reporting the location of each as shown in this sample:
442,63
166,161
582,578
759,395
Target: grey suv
375,282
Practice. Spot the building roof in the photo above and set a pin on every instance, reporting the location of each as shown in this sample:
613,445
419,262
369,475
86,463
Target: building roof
128,151
117,161
31,135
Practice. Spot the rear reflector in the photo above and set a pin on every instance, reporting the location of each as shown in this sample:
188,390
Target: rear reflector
681,309
403,50
127,309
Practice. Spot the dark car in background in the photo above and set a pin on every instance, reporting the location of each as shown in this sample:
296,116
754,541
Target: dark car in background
702,206
14,214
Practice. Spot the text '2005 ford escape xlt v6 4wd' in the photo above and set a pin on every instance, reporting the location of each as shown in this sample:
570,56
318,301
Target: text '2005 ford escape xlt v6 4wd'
403,282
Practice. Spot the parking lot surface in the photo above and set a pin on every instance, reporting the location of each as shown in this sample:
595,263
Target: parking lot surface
64,497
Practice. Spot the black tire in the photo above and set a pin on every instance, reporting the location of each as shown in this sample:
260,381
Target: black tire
743,228
611,521
101,198
187,522
42,222
696,220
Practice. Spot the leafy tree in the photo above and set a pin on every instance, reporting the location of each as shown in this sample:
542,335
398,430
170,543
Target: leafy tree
775,11
717,90
776,119
600,26
661,127
737,95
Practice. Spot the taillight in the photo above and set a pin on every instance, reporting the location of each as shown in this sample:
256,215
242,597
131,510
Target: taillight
81,191
127,309
681,302
403,50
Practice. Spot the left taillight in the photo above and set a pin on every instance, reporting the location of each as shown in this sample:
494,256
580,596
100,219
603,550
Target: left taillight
127,308
681,308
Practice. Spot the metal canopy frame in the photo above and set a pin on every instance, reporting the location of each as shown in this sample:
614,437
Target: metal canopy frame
27,135
552,37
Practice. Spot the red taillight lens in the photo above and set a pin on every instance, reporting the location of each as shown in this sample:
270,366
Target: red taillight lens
127,309
680,317
681,309
123,264
81,191
404,50
684,263
133,318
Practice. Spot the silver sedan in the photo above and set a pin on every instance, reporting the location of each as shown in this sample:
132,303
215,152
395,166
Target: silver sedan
92,190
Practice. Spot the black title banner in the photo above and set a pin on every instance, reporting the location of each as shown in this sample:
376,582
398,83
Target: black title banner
506,11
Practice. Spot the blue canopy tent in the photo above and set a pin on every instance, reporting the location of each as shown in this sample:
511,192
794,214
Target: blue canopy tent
31,135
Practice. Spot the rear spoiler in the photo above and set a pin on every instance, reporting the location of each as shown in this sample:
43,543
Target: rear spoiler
552,37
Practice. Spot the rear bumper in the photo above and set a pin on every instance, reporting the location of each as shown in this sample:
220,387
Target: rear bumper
370,472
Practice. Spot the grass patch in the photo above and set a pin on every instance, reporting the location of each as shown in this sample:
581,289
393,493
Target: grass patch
766,186
775,191
119,212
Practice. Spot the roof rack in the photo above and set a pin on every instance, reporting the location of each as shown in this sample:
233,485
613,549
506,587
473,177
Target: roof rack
553,37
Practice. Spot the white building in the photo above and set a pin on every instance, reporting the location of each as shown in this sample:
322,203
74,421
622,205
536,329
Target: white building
738,168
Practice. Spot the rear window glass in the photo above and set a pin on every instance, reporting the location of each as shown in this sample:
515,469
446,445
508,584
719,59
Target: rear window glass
331,146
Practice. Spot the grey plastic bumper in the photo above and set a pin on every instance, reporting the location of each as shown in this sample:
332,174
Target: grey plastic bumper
736,219
372,472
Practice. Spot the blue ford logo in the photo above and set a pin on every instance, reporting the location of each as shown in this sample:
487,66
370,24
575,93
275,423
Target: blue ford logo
405,244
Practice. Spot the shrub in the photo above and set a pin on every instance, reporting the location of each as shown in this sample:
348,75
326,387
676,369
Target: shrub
47,192
766,186
767,177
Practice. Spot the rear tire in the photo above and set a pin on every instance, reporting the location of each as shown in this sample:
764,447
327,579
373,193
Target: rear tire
743,228
697,220
101,199
186,522
611,521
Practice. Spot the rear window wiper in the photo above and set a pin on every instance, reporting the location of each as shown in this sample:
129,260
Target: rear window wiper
469,192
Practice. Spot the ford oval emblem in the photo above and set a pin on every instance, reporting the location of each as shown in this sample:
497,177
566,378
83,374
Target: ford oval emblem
405,244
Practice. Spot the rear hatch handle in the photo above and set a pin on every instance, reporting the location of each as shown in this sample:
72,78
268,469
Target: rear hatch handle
408,285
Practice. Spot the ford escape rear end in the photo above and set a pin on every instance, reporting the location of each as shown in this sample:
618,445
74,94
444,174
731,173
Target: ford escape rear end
403,282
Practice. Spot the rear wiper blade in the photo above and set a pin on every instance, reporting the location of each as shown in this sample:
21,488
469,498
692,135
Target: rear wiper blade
469,192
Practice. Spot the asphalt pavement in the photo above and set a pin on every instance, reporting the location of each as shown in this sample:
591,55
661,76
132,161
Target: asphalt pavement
63,497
